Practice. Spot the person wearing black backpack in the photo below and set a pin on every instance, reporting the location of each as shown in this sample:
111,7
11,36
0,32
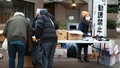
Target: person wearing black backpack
84,27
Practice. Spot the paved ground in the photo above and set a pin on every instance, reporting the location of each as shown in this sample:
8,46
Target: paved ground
65,63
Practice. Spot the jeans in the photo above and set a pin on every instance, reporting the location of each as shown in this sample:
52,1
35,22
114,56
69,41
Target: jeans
12,49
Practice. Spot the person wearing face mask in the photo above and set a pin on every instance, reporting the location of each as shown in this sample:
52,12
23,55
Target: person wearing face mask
84,27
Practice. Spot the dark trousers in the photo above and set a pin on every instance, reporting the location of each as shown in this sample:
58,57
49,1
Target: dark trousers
80,46
12,49
48,55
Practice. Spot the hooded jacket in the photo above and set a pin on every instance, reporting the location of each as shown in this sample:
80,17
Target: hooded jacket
17,28
45,30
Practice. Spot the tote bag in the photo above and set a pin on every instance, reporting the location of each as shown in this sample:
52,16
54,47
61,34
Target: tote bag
36,54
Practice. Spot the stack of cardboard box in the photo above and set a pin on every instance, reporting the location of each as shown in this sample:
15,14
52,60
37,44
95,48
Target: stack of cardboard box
69,35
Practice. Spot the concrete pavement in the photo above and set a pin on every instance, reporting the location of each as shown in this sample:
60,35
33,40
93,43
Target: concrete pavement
67,62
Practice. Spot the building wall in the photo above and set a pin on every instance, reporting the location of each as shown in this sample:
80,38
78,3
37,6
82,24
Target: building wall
112,16
38,3
112,1
60,11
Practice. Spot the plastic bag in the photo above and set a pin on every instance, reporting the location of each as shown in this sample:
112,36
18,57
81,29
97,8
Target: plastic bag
5,44
36,54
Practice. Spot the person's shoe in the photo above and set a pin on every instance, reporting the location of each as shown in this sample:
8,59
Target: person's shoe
85,59
80,60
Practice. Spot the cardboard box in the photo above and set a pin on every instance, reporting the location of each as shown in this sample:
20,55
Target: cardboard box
109,60
90,56
75,35
62,34
90,53
2,38
96,55
27,61
60,53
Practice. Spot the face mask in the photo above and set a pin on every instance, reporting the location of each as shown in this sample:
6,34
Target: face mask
87,18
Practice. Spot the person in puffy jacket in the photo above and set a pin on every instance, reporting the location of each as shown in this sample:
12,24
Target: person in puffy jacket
45,32
84,27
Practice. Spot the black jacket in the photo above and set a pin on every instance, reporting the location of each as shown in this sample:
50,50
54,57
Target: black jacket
83,26
45,29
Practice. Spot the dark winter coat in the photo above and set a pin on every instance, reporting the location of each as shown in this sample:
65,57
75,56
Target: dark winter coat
83,26
45,29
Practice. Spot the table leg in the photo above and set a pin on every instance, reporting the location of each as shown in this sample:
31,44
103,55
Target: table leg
106,66
98,57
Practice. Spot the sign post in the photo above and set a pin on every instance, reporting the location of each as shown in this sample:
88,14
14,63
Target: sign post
99,17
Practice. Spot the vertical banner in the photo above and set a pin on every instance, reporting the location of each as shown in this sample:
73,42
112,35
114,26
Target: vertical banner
99,17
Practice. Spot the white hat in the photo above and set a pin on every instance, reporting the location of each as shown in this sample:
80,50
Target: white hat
38,11
19,14
41,11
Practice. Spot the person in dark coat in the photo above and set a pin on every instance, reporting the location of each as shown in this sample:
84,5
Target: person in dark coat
46,33
84,27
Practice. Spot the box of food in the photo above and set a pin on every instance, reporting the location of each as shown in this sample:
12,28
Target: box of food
75,35
62,34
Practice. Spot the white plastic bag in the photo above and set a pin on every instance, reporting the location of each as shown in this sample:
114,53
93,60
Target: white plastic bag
5,44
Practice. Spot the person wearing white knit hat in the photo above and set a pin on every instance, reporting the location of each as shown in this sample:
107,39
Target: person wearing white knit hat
19,14
17,31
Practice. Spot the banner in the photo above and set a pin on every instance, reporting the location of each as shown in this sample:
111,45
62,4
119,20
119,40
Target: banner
99,17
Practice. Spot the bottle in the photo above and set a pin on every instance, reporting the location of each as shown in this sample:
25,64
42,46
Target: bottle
89,31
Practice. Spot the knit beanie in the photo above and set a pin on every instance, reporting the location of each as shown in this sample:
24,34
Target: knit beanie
19,14
84,13
41,11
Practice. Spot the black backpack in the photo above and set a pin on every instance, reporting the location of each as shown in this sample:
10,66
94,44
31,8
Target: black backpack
71,52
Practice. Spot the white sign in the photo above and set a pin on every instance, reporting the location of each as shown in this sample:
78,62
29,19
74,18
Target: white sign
8,0
71,17
99,17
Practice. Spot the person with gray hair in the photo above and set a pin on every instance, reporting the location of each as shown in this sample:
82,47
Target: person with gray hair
19,14
17,31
